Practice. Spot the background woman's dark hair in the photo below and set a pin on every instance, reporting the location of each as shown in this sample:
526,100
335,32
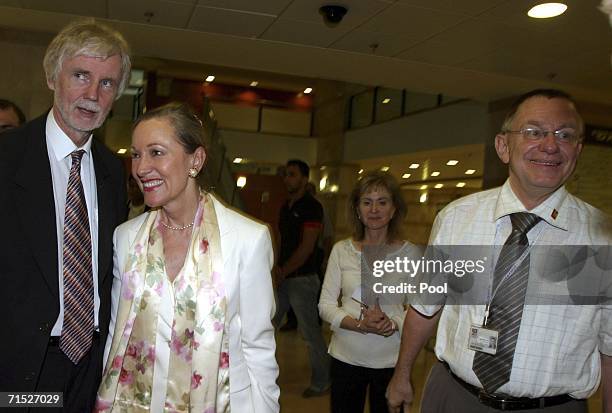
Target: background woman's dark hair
371,181
187,125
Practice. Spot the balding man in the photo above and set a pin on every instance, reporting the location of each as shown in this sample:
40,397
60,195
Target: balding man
510,354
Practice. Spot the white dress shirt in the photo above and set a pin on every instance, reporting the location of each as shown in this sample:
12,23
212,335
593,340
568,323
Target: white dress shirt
59,148
558,346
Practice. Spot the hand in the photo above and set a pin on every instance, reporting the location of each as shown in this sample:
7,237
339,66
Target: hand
399,393
277,277
376,321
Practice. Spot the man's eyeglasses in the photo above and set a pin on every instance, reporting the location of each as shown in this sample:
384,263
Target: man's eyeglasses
565,135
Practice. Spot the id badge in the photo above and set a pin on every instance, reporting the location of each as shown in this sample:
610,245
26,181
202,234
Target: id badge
483,339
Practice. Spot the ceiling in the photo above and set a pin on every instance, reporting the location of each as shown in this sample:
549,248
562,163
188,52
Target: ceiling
468,157
480,49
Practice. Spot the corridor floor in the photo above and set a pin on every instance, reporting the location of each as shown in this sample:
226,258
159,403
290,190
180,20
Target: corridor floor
295,373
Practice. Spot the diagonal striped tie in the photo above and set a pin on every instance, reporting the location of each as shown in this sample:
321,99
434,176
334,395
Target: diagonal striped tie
78,326
507,305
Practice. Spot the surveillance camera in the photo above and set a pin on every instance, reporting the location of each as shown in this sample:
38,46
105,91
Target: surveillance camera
332,14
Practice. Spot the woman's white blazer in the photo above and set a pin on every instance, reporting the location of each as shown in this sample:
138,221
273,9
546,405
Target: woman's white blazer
247,258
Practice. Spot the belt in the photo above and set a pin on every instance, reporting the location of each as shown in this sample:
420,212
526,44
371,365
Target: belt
503,402
54,341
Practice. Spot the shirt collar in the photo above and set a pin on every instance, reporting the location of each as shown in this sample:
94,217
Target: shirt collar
61,145
553,209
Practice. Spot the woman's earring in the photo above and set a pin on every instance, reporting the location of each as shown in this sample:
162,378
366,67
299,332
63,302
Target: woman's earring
193,172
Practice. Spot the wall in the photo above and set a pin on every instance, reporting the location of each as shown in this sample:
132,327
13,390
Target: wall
453,125
592,179
268,148
263,197
22,77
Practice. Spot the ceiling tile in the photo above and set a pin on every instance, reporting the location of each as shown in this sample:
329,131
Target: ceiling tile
588,69
11,3
469,7
506,62
362,41
267,7
93,8
210,19
465,41
587,61
165,13
440,53
301,32
414,21
358,11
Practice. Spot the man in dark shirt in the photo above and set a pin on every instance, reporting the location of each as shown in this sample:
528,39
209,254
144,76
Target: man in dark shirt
300,223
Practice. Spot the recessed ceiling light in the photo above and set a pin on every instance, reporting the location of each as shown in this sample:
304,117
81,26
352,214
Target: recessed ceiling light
210,78
122,151
452,162
414,166
307,90
423,198
323,183
254,83
360,171
384,168
438,186
547,10
435,173
406,176
386,100
460,184
470,171
423,187
237,160
241,181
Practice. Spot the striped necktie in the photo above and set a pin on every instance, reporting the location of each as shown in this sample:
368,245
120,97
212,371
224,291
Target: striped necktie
506,308
78,325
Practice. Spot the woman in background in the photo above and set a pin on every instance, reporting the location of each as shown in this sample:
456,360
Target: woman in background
365,341
192,294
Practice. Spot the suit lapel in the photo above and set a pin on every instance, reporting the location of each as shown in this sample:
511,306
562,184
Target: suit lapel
35,202
106,217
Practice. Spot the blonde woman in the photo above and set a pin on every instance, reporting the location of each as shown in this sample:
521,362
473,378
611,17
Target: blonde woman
365,342
192,293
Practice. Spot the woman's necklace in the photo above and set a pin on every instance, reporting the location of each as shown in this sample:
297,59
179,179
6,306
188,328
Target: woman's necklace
176,228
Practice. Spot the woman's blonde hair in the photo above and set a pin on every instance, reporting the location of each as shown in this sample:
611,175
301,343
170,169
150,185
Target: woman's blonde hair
187,125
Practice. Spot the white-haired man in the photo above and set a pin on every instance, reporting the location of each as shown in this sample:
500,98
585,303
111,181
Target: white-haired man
64,193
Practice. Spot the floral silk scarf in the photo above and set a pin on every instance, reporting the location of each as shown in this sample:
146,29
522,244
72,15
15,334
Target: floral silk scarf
198,370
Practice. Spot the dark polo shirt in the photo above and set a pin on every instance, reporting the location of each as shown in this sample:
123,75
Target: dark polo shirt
305,212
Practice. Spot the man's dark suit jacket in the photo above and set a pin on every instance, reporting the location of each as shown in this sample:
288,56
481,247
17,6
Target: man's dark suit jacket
29,301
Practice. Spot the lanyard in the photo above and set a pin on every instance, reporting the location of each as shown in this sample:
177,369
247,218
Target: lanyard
509,273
